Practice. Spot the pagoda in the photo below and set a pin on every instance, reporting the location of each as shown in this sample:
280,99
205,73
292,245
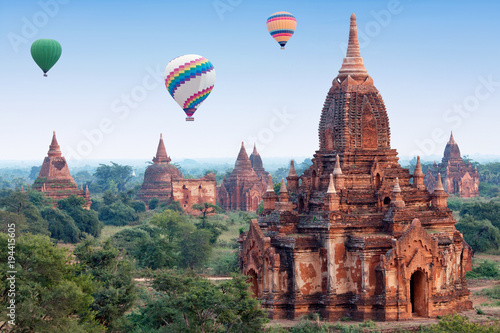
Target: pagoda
165,181
244,188
54,179
459,178
354,236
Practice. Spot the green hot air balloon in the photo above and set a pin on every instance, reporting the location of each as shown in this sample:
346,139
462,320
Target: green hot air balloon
46,52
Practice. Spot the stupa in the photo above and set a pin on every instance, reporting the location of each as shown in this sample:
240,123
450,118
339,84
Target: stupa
54,179
353,236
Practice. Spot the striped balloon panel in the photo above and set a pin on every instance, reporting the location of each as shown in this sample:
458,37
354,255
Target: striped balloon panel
189,79
281,26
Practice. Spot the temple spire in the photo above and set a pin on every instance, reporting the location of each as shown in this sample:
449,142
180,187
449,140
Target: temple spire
292,172
270,187
397,188
283,188
452,140
161,153
54,149
243,158
418,168
331,186
353,63
439,184
337,170
254,149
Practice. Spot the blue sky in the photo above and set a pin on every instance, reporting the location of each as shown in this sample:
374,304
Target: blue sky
434,62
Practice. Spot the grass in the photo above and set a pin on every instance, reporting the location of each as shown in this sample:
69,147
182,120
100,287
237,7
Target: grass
110,230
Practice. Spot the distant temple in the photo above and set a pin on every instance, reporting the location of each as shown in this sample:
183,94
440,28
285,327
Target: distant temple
164,181
258,166
352,236
243,189
54,179
458,177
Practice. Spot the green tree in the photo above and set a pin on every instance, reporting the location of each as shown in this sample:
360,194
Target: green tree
206,208
173,205
195,249
18,202
483,211
86,220
153,203
171,224
61,225
8,219
481,235
193,304
127,239
49,296
156,252
35,170
108,176
117,214
138,206
116,291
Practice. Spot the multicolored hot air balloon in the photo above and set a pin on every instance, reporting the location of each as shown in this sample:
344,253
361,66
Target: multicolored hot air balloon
189,80
281,26
46,52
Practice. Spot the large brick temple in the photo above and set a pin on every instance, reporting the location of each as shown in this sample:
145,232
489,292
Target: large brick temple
458,177
54,179
356,235
165,181
246,184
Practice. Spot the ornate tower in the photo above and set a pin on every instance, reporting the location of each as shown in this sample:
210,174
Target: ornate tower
243,189
357,238
55,180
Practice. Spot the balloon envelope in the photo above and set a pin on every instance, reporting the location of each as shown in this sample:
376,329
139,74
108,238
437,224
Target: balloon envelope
46,52
189,80
281,26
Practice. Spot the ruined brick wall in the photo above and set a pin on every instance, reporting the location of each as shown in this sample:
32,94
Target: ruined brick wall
195,191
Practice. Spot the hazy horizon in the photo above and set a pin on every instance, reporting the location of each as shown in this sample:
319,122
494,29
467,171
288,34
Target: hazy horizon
434,63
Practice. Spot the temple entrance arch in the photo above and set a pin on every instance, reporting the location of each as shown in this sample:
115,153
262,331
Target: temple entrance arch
254,283
419,294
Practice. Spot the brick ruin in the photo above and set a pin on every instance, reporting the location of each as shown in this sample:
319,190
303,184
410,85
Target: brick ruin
458,177
353,236
165,181
243,189
54,179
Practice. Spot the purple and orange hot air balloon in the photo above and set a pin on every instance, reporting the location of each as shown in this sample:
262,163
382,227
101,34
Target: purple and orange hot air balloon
281,26
189,80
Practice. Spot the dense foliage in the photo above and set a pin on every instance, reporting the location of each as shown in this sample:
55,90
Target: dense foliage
193,304
50,295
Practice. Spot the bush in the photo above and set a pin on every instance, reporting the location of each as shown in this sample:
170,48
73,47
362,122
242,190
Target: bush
454,204
480,235
486,270
226,264
174,205
117,214
153,203
461,324
61,225
127,239
492,292
483,211
138,206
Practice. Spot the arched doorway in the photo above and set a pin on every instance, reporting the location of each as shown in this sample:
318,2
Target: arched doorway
252,280
418,293
378,180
